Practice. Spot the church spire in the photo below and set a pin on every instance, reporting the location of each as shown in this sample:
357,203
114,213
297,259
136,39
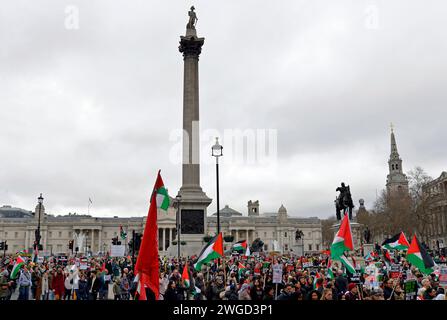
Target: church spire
394,153
396,180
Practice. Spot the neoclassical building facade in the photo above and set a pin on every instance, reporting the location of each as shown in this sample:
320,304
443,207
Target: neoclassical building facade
94,234
435,200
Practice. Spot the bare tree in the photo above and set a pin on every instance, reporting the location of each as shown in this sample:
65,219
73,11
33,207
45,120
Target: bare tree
423,217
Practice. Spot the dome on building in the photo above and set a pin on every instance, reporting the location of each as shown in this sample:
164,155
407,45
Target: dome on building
282,209
227,212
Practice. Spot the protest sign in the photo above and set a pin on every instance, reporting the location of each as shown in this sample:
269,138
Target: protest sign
410,288
443,277
117,250
277,273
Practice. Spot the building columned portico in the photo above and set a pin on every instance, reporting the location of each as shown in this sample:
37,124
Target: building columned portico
94,235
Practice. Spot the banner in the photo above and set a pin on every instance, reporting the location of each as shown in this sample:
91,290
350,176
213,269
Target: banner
117,250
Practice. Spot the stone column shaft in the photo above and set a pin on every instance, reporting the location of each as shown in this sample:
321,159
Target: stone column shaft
92,246
191,47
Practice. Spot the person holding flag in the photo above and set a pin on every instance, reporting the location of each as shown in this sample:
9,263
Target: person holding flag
147,266
342,243
213,250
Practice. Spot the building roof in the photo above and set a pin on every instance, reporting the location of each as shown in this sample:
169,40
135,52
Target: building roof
227,212
10,212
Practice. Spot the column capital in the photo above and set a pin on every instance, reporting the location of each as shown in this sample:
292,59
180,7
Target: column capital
191,46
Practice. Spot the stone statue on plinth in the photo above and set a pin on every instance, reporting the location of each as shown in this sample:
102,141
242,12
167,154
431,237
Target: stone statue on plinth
344,201
367,235
192,19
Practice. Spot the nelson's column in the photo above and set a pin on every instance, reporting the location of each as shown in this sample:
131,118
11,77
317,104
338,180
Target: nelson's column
193,200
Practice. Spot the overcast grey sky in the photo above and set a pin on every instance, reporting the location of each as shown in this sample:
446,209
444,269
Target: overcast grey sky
88,112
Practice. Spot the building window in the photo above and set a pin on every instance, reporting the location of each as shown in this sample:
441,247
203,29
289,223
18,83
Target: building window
286,247
16,234
115,233
105,234
70,234
318,247
60,234
274,234
310,247
310,234
6,234
285,234
265,234
50,234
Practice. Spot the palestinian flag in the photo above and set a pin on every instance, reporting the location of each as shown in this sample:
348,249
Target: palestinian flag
398,242
122,233
387,255
240,246
418,256
213,250
17,265
241,269
185,276
162,198
343,240
315,284
348,265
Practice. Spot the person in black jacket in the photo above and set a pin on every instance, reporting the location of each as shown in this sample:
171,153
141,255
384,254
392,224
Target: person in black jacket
341,283
83,288
232,293
269,294
171,293
256,291
388,290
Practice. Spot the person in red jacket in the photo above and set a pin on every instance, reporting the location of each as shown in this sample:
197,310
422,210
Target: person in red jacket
58,284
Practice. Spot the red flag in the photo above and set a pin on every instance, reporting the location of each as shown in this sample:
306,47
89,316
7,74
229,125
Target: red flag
147,265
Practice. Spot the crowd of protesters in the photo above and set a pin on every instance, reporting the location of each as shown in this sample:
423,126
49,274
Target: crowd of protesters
53,280
230,278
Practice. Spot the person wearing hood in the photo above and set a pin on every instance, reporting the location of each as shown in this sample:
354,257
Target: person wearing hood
244,292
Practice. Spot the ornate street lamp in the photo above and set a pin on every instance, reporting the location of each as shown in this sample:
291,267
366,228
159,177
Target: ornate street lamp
216,151
37,244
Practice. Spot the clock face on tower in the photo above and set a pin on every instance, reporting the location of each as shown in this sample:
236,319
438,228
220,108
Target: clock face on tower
192,222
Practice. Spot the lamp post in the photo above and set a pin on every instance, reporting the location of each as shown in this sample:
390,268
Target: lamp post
37,244
178,198
216,151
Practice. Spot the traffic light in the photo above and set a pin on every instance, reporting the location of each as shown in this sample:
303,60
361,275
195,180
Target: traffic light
138,241
2,246
70,244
